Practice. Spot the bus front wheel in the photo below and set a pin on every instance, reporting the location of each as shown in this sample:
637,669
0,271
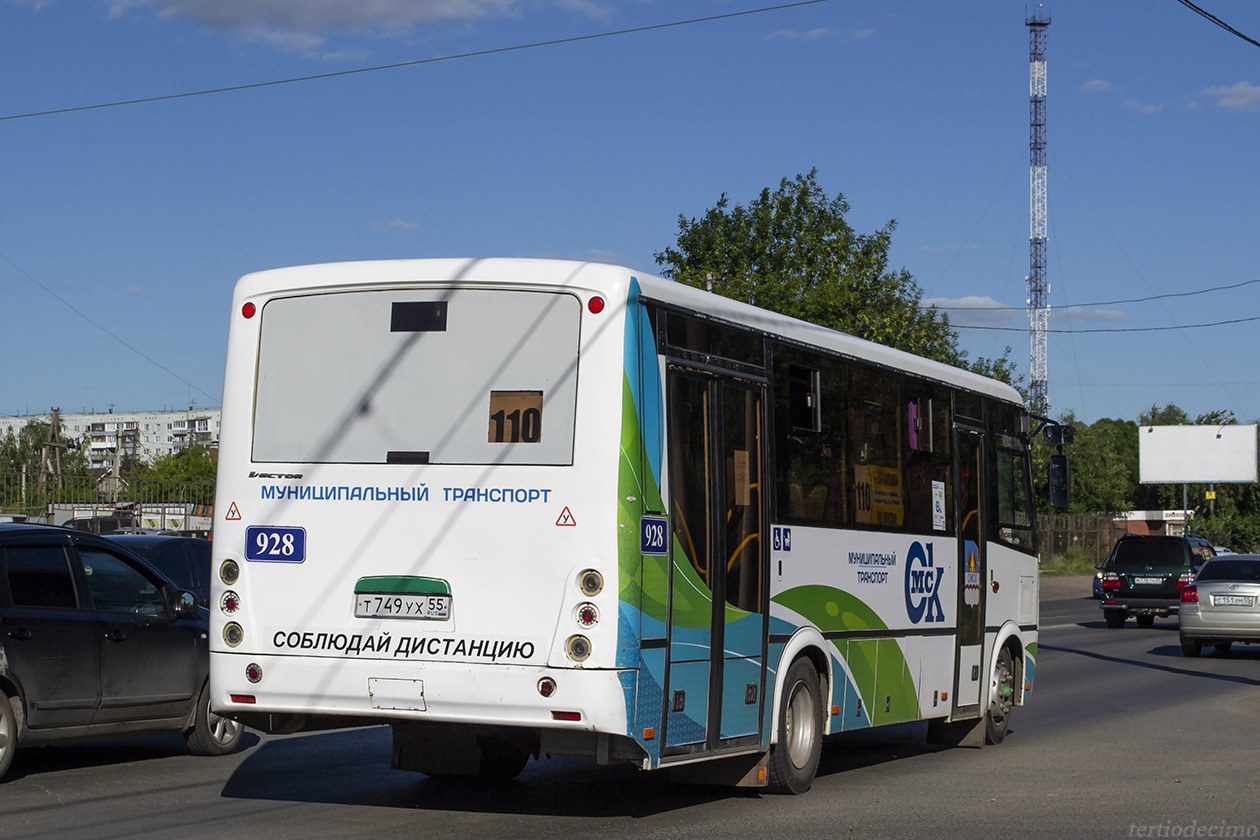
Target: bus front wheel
794,756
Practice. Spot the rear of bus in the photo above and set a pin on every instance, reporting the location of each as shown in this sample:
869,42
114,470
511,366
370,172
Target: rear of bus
416,517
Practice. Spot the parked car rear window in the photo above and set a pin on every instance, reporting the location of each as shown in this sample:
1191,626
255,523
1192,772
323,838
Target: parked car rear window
1230,568
1152,553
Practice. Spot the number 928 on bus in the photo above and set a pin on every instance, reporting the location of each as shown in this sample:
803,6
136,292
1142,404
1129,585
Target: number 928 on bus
275,545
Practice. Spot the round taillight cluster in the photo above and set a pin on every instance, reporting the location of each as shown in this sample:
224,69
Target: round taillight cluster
587,615
578,648
230,602
253,672
229,572
547,687
591,583
233,634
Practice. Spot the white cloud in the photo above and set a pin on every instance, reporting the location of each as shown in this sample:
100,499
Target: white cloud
1096,86
1243,96
589,8
977,311
320,15
396,226
1142,108
863,34
135,292
783,35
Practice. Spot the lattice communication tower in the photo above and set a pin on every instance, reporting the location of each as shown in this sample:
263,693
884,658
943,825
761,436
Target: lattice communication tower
1038,287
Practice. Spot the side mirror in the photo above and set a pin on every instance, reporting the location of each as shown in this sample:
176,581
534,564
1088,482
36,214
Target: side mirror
1060,481
186,605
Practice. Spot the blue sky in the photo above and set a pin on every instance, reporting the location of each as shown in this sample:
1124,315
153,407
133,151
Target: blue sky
142,217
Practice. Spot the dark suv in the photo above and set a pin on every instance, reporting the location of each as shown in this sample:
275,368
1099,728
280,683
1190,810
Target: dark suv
1144,575
95,643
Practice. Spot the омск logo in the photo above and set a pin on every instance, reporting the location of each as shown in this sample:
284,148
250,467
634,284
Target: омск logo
923,585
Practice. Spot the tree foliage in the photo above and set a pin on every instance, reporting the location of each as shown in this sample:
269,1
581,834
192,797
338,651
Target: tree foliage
194,464
792,251
25,451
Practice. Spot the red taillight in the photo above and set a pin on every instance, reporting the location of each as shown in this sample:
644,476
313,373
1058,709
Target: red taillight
1110,580
595,305
1190,595
248,310
1184,581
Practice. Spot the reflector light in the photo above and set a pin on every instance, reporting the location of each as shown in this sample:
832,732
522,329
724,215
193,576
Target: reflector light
243,698
566,715
649,733
248,310
595,305
1190,595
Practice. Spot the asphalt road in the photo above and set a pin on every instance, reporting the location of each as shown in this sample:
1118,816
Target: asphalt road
1123,737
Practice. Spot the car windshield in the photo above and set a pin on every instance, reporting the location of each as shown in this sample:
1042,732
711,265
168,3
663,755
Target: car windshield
1230,568
1152,553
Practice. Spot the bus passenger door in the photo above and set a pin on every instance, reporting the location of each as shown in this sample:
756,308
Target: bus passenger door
971,569
716,672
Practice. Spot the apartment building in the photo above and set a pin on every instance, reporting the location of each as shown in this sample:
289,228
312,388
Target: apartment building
143,435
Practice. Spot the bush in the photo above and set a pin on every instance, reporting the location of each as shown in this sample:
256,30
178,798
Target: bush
1075,561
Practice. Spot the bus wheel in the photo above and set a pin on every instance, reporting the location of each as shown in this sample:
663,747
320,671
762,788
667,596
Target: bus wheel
8,733
501,760
794,757
998,719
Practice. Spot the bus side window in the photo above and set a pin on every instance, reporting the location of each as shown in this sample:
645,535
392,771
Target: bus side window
876,433
809,405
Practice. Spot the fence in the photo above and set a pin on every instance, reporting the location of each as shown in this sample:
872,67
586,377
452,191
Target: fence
106,506
1093,533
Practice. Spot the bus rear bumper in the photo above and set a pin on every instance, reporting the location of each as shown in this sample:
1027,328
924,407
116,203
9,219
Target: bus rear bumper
306,693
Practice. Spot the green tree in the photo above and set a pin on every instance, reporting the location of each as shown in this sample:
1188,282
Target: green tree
792,251
194,464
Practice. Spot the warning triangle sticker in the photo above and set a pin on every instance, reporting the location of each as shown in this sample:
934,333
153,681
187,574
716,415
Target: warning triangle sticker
566,518
233,513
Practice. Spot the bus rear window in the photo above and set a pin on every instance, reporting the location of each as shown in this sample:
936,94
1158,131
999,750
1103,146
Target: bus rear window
447,376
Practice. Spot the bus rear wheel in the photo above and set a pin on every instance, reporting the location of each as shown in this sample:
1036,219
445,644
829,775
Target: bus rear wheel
998,720
794,757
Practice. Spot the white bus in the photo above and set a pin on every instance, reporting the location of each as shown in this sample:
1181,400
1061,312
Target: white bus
520,508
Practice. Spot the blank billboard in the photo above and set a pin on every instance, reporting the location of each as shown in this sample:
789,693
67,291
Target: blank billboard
1198,454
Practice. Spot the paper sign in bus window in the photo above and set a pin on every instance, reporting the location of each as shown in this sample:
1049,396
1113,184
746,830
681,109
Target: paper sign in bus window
516,416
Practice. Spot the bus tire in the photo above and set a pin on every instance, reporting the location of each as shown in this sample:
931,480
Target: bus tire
794,757
212,734
998,718
501,760
8,733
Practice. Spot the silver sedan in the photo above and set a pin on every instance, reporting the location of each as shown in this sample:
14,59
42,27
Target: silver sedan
1222,605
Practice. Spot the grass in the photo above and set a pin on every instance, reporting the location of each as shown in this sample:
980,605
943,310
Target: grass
1075,561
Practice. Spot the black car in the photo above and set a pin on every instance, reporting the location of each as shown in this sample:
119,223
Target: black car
1144,575
185,560
95,643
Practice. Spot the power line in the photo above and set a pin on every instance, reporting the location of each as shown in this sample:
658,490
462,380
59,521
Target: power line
1102,303
82,315
476,54
1114,330
1214,19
